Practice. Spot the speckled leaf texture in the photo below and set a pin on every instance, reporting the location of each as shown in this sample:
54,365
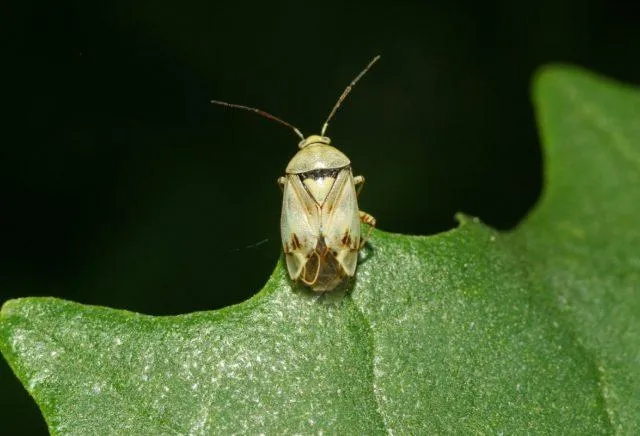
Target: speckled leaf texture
471,331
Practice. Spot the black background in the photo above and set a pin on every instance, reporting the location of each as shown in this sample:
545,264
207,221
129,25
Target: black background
122,186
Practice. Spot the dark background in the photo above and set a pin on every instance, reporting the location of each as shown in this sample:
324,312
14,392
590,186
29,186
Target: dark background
122,186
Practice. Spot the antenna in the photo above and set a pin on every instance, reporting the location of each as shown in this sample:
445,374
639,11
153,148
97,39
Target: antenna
346,92
260,112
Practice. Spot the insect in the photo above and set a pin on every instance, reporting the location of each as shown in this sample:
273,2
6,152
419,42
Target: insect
320,221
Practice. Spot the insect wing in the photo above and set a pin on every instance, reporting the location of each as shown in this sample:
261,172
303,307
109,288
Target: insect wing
299,225
341,221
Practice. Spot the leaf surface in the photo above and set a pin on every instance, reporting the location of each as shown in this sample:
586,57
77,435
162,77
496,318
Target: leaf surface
469,331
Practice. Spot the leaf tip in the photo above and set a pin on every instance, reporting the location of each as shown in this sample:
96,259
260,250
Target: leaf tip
13,306
561,74
546,74
8,307
464,219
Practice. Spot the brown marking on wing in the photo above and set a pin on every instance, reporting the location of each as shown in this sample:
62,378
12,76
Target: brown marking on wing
295,242
346,239
322,272
311,269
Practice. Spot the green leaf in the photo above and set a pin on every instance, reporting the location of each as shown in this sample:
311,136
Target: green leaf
469,331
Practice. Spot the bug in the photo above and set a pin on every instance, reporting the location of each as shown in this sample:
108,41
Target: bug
320,220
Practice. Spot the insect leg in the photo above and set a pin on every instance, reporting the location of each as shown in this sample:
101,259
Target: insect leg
281,181
359,182
371,222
